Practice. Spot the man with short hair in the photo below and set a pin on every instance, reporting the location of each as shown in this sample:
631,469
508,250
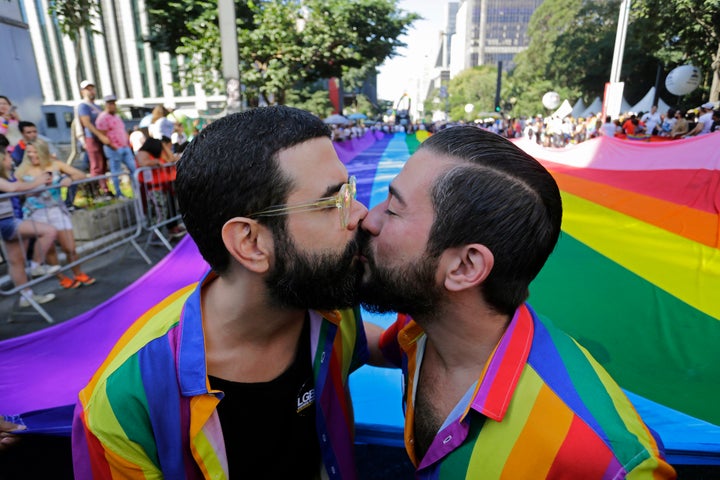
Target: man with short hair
244,374
29,134
652,120
491,390
88,112
117,150
704,120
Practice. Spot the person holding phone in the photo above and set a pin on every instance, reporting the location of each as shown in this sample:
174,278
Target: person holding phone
9,120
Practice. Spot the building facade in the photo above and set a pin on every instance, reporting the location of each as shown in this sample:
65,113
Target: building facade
479,32
19,80
113,55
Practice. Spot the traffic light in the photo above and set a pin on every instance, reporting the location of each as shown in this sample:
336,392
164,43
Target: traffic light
498,109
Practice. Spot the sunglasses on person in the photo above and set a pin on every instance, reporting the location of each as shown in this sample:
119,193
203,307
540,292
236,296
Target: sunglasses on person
341,200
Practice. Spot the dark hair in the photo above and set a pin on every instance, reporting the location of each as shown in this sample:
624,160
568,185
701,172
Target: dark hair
24,124
498,196
4,142
6,99
230,169
153,146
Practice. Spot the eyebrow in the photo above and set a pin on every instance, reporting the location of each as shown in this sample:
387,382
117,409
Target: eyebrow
333,189
394,193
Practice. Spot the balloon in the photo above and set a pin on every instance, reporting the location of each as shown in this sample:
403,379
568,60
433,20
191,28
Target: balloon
683,80
551,100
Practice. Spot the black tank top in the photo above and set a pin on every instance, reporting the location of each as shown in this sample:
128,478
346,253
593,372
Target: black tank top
269,427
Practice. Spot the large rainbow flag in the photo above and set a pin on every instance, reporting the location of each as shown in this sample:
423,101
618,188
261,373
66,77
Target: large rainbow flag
634,278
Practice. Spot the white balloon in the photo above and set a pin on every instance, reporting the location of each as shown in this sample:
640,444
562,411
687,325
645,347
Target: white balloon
551,100
683,80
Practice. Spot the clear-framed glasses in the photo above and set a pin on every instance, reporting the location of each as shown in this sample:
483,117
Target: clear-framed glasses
341,200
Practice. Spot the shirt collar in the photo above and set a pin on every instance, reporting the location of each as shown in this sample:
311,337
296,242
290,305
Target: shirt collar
501,373
191,358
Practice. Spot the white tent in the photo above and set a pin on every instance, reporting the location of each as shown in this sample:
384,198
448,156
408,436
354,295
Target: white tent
564,110
595,108
578,108
647,102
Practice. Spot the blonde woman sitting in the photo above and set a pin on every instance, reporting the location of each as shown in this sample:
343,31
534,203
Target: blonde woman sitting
13,230
48,207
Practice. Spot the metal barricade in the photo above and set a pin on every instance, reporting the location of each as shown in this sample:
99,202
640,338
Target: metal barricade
99,225
157,206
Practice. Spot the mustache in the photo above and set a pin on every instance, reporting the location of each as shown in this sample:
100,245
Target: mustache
362,240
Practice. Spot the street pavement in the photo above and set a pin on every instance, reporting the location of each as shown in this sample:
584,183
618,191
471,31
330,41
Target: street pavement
113,271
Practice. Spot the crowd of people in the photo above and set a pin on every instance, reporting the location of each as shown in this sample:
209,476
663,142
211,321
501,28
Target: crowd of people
201,385
554,131
33,224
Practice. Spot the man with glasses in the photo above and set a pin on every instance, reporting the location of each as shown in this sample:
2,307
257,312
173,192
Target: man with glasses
244,374
491,390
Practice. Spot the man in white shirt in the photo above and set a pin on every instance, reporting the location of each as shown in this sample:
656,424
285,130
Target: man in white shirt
704,122
651,120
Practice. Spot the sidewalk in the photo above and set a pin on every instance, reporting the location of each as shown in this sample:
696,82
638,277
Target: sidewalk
113,271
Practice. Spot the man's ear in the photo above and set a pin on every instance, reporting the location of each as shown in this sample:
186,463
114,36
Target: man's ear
467,266
248,242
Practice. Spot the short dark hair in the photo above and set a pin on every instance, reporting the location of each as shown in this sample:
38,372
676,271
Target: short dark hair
22,125
4,142
230,169
498,196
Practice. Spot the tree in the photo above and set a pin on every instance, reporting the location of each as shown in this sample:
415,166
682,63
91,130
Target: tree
74,16
688,31
572,46
283,42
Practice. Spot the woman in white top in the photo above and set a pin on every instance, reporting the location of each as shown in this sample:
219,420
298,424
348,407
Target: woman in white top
49,207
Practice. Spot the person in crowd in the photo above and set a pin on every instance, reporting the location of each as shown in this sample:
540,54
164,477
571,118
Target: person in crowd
8,436
715,121
117,150
49,207
243,375
9,120
161,126
608,128
704,121
668,123
88,112
158,191
681,126
29,133
491,389
178,138
137,138
14,230
652,121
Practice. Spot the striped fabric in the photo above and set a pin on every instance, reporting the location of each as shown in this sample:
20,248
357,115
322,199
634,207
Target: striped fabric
542,408
148,411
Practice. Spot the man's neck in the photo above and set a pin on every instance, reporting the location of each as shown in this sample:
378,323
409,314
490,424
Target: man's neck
247,339
464,334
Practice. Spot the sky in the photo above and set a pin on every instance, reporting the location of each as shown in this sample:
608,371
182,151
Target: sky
399,74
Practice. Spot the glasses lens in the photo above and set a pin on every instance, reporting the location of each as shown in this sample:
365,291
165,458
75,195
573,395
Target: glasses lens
347,194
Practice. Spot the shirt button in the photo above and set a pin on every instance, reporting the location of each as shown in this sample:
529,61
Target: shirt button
322,357
447,439
332,470
324,438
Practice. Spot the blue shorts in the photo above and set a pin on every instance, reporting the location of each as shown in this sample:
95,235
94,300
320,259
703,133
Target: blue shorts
9,227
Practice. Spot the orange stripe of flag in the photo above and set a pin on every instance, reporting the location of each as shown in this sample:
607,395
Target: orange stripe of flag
696,225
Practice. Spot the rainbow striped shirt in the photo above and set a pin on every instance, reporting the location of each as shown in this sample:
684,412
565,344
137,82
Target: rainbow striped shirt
542,408
149,412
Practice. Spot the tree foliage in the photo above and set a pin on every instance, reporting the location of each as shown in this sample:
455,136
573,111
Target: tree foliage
282,42
572,46
74,16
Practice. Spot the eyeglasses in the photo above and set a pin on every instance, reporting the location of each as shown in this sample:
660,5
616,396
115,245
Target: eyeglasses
341,200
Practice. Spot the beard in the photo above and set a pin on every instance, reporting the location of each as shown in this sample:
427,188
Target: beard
324,281
410,288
